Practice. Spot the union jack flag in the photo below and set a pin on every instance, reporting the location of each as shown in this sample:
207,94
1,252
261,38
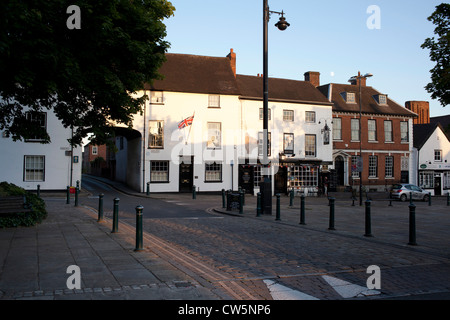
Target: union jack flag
186,122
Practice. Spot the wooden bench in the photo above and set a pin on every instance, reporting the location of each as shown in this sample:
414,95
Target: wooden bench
13,204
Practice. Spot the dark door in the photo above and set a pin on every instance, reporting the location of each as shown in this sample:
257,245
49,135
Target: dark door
246,181
437,186
339,166
281,180
186,176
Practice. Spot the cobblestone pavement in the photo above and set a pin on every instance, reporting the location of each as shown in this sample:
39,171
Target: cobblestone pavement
211,253
248,250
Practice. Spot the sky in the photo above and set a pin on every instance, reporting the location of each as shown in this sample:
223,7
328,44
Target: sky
335,38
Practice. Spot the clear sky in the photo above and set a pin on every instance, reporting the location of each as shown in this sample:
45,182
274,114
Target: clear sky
328,36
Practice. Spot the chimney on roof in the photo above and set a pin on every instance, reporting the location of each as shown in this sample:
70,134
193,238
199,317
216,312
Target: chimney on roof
313,77
232,57
355,80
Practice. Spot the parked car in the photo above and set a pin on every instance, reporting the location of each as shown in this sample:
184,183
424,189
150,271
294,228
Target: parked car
403,191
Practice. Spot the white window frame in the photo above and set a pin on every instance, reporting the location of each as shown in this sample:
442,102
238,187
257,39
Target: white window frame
156,134
404,131
34,168
288,115
388,134
337,128
373,167
214,135
159,171
156,97
389,167
354,124
310,116
213,101
310,145
372,130
213,171
437,155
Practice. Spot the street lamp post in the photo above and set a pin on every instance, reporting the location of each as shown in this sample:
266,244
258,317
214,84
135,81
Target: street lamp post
359,77
282,24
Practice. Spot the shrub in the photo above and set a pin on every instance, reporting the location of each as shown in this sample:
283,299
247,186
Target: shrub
25,219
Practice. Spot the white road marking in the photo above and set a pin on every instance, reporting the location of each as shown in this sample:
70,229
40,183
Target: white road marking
349,290
280,292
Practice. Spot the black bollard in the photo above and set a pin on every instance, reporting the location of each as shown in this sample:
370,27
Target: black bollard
148,188
258,204
76,196
302,209
100,207
139,234
278,207
412,225
194,193
448,198
115,227
368,220
224,205
291,197
429,199
39,190
68,195
241,202
331,222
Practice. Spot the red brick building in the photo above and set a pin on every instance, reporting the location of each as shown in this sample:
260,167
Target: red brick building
385,138
94,159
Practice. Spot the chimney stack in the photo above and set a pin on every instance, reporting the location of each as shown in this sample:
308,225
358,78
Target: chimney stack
355,81
232,57
313,77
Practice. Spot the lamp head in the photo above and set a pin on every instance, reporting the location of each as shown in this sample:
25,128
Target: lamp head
282,24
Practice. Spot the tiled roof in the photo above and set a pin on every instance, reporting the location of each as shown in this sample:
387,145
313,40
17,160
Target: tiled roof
196,74
369,104
251,87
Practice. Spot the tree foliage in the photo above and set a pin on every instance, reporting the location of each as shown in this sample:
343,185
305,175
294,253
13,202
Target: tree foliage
86,76
439,87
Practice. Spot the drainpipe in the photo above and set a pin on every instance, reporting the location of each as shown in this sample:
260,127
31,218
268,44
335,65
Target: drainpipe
143,145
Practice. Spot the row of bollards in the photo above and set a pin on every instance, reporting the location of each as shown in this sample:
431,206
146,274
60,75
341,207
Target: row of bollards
115,222
331,224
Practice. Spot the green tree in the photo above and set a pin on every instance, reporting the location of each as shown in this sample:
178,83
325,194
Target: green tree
84,75
440,53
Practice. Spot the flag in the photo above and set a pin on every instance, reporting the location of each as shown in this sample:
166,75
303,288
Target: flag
186,122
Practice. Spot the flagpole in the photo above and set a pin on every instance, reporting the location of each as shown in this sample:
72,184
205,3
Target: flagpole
190,127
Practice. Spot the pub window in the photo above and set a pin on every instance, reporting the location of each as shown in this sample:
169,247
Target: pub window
213,172
159,171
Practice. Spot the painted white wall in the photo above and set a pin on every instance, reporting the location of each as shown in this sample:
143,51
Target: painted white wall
190,141
57,164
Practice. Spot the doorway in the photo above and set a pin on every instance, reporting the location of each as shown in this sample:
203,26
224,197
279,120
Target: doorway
339,167
437,186
281,180
186,176
246,181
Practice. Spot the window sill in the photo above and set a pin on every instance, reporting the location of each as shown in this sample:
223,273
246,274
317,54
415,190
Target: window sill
213,181
159,182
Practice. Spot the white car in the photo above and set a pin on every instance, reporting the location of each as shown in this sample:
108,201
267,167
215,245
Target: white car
404,191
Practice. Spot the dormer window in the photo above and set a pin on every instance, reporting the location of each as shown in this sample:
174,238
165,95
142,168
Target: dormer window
381,99
349,97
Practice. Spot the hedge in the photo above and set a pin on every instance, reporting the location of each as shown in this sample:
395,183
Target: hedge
25,219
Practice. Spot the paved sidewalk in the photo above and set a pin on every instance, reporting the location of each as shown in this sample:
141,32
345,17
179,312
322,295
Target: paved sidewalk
34,262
